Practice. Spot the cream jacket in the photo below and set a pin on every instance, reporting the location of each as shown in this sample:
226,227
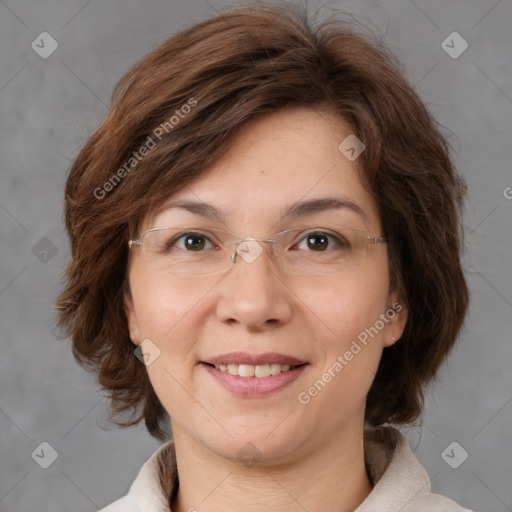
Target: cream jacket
400,482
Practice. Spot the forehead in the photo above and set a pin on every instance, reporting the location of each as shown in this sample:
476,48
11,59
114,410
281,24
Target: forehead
278,160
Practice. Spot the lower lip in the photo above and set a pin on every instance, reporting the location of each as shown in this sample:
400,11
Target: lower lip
255,386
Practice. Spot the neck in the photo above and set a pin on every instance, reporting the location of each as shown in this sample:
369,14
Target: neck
329,476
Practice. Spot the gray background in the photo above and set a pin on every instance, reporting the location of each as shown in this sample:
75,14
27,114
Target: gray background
48,108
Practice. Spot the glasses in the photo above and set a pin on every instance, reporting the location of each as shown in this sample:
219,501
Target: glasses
191,252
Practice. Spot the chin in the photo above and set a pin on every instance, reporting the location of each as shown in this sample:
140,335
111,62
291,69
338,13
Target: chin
265,440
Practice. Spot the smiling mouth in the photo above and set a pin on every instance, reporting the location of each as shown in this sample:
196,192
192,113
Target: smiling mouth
256,371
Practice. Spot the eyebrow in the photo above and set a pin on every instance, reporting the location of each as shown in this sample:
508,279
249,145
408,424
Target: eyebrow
298,209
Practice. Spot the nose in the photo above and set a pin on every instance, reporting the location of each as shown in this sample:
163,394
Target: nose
253,293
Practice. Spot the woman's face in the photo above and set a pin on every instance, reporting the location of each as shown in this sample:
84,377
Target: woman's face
334,325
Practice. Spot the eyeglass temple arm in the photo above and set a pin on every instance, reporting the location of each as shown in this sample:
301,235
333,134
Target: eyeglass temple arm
378,240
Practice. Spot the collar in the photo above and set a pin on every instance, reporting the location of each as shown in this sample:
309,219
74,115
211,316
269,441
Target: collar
397,475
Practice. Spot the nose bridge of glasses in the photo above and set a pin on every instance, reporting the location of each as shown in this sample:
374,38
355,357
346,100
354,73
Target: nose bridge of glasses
248,248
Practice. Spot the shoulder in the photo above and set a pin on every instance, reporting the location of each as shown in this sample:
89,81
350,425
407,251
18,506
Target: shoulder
400,481
120,505
146,492
434,503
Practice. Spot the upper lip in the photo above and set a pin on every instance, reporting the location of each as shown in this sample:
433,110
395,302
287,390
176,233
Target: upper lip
254,359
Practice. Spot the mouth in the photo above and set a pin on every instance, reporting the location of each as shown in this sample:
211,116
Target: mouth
254,374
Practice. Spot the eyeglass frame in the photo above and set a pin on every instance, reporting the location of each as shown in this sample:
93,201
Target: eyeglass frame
138,241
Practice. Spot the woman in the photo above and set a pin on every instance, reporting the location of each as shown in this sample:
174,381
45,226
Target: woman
265,238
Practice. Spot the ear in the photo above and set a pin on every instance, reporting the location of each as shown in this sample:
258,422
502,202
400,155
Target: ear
131,317
397,313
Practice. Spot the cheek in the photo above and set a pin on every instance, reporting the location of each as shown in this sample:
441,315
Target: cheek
351,336
161,306
348,308
165,315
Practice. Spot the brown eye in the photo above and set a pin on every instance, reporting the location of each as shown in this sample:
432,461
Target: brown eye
322,241
194,242
318,241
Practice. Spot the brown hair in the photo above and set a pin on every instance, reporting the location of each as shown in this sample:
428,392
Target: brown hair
228,69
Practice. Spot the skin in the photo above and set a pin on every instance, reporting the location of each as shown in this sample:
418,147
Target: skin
278,158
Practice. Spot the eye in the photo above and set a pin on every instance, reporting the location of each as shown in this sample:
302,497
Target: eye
190,242
321,241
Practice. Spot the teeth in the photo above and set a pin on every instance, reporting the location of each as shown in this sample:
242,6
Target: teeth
248,370
263,370
232,369
275,369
